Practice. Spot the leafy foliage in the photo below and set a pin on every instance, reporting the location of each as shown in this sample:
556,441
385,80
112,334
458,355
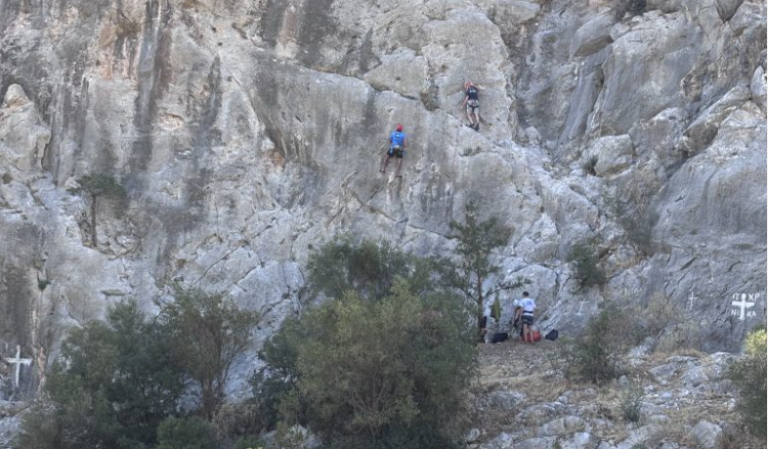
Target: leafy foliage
220,332
271,387
632,404
368,268
249,442
631,7
594,355
496,309
112,386
589,165
587,265
750,377
476,242
373,367
382,365
189,433
97,185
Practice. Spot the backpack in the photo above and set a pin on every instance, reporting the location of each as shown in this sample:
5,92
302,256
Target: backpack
552,335
498,337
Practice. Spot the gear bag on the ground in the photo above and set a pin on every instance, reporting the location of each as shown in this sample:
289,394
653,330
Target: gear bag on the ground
552,335
498,337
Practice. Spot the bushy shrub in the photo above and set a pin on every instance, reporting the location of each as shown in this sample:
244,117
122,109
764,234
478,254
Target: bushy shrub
186,433
112,386
589,165
632,404
588,272
249,442
383,365
368,268
631,7
207,332
96,186
385,368
594,355
749,376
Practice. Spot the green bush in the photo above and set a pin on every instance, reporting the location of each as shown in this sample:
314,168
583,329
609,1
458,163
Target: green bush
368,268
632,404
369,369
207,332
631,7
249,442
271,385
112,386
386,368
586,262
594,355
749,376
589,165
96,186
186,433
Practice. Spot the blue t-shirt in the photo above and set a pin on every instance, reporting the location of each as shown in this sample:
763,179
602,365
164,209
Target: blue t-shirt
396,138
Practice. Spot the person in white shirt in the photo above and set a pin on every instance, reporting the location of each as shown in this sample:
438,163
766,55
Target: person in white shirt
528,306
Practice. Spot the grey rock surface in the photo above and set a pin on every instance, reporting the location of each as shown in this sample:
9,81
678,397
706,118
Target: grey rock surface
248,133
706,434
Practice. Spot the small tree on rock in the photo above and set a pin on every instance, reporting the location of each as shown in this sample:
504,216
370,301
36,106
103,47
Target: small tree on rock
477,240
96,186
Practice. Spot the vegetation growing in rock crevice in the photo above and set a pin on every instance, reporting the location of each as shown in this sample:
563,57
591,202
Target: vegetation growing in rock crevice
750,377
594,356
586,261
96,186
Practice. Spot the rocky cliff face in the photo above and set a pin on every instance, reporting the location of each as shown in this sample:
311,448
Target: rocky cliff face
248,133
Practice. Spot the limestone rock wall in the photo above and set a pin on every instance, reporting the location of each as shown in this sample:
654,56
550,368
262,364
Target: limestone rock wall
248,133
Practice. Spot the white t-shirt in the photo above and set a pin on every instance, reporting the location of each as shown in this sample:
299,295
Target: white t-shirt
528,305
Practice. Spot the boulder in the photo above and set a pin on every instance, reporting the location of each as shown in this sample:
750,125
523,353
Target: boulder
402,71
506,400
561,426
706,434
593,36
613,154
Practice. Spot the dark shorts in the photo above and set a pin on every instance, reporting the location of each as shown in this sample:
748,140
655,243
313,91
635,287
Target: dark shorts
527,319
396,152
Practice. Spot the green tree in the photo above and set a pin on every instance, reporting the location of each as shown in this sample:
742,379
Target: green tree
368,268
476,242
274,384
208,332
112,385
588,272
97,185
381,370
750,377
594,355
186,433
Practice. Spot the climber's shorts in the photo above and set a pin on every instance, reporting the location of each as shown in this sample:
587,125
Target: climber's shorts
472,105
396,151
527,319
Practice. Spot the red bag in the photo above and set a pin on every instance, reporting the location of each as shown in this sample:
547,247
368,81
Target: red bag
535,333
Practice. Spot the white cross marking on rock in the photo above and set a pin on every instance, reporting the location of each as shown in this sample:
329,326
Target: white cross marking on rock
581,306
743,305
691,298
18,361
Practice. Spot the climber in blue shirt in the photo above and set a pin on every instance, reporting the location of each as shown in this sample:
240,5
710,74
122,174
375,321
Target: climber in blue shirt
397,143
